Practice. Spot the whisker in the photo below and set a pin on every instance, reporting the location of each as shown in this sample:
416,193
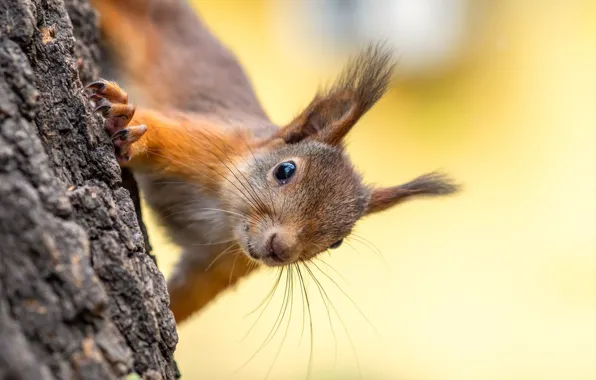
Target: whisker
340,319
194,170
283,309
233,266
333,269
347,296
369,245
211,179
254,196
321,291
214,243
192,137
255,160
282,270
303,301
291,296
220,255
246,162
191,210
191,201
311,354
265,301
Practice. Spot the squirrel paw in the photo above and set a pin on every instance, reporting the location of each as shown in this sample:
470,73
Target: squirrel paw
112,102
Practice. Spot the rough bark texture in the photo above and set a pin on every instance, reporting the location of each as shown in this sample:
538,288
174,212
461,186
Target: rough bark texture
79,296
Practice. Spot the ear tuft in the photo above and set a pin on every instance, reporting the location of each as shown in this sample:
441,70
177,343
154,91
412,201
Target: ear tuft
428,185
333,112
434,183
366,76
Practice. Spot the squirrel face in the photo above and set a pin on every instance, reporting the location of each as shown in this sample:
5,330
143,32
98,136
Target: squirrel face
297,193
305,199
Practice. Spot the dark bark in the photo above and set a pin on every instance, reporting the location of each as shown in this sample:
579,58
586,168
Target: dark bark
80,298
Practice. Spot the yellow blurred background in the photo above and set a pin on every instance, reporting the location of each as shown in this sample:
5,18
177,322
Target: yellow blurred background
498,282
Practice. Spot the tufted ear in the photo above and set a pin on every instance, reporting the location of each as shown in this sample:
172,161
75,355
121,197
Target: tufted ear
428,185
332,113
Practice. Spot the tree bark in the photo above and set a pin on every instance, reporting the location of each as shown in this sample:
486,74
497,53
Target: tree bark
80,297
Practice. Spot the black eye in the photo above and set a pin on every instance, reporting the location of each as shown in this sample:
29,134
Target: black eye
336,244
284,171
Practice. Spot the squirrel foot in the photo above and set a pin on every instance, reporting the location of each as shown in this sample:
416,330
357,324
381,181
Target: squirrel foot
112,102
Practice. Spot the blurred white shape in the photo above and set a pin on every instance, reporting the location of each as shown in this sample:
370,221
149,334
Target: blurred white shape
427,35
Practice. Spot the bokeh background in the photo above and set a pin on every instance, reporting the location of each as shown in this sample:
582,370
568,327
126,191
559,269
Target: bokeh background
496,283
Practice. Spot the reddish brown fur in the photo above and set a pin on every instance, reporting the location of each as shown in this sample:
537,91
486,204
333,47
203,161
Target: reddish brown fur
199,124
205,283
188,148
173,61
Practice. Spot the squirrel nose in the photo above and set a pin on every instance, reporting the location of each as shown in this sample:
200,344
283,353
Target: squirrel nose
277,247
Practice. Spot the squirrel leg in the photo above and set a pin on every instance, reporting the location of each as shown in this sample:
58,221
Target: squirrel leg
197,280
112,102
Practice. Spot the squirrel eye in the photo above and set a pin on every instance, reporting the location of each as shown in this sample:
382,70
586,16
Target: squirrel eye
336,244
284,171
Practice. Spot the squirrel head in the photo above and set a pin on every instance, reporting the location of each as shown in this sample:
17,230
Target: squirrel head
300,192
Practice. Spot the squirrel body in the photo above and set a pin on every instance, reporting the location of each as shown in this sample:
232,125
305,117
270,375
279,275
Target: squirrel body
232,189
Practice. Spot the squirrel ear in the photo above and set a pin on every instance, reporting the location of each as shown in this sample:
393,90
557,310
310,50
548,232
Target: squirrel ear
332,113
428,185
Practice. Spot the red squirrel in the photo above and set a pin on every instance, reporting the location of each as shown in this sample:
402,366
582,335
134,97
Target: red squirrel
235,191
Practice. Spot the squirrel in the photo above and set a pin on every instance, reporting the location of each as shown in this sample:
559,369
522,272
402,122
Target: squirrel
233,190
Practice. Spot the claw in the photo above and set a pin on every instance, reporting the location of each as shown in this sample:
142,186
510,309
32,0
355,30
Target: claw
93,96
121,135
112,102
102,106
130,134
98,85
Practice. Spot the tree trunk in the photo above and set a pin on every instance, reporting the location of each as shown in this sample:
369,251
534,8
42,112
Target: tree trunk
80,297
